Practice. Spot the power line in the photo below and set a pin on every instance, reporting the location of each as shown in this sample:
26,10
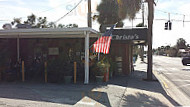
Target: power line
165,20
55,7
171,12
68,12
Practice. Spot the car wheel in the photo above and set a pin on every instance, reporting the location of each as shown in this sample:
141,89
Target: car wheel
184,63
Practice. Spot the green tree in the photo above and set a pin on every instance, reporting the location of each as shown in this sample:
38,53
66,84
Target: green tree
71,26
129,8
108,14
61,26
51,25
31,20
16,21
42,22
181,43
112,11
67,26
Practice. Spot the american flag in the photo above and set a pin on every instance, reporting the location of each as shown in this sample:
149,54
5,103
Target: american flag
102,45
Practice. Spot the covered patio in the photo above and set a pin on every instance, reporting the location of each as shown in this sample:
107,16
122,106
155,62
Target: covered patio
49,33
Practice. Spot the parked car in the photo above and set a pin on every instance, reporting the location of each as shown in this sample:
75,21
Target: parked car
186,60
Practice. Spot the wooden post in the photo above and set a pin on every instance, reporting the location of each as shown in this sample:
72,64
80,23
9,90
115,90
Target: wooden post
23,75
89,14
75,72
150,24
45,71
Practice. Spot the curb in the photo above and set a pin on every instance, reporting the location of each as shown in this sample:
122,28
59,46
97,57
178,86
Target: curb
172,90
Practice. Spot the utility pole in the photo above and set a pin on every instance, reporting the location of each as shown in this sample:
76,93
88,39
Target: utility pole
143,13
150,23
142,46
89,14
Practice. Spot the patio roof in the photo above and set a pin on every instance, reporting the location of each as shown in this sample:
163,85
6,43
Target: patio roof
85,33
48,33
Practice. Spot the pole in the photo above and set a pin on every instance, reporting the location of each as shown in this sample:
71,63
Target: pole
45,66
183,20
150,23
18,48
75,72
86,79
89,14
143,14
142,46
169,16
23,75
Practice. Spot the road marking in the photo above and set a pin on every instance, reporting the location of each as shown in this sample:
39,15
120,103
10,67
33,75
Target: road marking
174,69
163,82
165,85
184,85
180,80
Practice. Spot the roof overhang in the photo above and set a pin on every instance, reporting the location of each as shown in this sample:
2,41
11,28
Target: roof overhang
49,33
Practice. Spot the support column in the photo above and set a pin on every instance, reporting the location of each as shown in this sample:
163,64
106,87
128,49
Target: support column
18,48
86,66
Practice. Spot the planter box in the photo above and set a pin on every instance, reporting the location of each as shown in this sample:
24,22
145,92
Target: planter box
106,76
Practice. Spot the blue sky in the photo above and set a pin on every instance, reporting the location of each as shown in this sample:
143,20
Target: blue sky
54,9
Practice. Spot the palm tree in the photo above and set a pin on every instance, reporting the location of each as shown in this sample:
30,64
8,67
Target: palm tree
129,8
112,11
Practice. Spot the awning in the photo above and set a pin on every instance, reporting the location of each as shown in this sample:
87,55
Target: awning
86,33
48,33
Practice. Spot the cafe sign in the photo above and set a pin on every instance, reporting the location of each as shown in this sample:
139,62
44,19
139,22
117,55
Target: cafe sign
130,34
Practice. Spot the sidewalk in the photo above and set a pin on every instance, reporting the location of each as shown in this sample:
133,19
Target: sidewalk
124,91
140,93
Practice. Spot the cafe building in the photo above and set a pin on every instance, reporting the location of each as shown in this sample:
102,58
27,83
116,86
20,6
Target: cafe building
62,47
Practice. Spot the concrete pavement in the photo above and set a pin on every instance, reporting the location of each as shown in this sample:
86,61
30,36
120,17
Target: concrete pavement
123,91
174,77
140,93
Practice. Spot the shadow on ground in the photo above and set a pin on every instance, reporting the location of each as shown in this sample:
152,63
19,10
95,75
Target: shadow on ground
136,81
55,93
142,100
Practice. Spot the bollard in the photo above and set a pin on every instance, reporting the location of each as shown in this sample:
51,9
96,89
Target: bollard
23,75
45,70
75,72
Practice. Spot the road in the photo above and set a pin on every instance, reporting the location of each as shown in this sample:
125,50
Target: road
173,69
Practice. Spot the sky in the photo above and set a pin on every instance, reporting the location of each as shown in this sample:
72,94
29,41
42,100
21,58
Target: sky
55,9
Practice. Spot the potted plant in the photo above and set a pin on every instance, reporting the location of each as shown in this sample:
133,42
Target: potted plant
103,70
113,67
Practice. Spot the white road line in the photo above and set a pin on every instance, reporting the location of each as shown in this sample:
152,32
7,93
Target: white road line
181,80
184,85
174,69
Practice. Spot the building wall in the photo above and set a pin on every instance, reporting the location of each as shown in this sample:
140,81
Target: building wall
122,54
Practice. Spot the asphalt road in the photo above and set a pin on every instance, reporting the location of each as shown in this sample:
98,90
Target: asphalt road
173,69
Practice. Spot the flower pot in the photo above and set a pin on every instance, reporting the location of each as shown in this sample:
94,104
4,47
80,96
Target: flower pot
106,76
67,79
99,79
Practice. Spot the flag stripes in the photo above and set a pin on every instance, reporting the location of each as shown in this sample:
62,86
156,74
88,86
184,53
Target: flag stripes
102,45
